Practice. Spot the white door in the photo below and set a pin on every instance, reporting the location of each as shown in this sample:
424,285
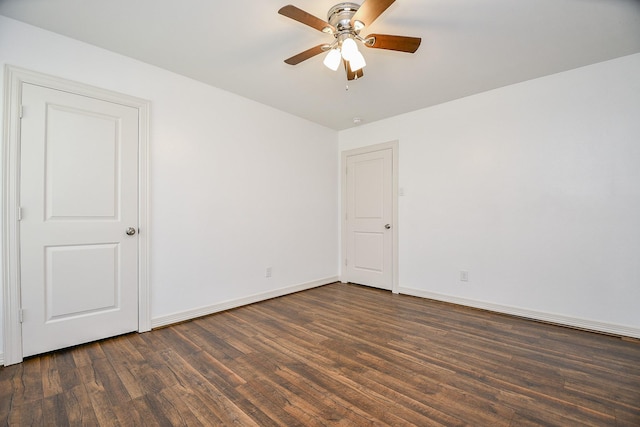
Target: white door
78,196
369,219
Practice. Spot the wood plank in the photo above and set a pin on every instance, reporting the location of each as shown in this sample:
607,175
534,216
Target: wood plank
50,376
79,408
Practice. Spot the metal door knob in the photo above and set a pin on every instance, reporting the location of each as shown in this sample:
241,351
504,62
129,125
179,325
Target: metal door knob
131,231
387,226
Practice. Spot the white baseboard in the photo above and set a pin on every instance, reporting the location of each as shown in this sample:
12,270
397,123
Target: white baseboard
182,316
1,359
573,322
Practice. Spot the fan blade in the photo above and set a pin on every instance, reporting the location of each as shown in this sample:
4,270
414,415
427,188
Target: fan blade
399,43
351,75
303,17
303,56
370,10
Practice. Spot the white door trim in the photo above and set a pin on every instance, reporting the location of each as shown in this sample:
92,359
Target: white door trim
393,145
15,77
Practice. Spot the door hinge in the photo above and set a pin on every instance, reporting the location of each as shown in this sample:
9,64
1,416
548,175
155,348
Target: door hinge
21,315
19,213
21,113
346,262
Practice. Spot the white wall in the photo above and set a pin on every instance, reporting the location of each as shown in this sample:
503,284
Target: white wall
534,189
235,186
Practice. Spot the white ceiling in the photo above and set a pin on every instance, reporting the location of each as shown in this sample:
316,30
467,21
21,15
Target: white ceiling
468,46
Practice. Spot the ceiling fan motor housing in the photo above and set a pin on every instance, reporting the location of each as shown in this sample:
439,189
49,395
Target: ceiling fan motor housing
340,16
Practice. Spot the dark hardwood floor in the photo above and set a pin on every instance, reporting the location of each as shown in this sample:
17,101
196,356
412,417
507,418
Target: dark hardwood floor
335,355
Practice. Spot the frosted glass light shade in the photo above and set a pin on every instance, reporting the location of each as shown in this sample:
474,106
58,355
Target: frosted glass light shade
333,59
357,61
349,49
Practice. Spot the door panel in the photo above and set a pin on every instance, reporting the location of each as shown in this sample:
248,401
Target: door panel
81,189
78,193
369,251
369,208
368,176
69,269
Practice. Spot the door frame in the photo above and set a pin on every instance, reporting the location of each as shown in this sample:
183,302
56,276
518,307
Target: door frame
393,145
14,78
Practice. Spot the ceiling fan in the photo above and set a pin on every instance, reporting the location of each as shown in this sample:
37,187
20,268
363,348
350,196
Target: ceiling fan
344,23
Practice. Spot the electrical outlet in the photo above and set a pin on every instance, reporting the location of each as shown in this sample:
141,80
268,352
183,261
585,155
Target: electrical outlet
267,272
464,276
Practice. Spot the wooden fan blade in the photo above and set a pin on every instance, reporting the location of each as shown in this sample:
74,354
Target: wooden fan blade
352,75
399,43
370,10
303,17
303,56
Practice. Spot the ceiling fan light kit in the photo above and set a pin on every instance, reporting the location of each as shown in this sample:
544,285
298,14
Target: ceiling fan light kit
344,23
357,61
349,48
333,59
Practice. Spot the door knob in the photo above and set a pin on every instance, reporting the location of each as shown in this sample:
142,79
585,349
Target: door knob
387,226
131,231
